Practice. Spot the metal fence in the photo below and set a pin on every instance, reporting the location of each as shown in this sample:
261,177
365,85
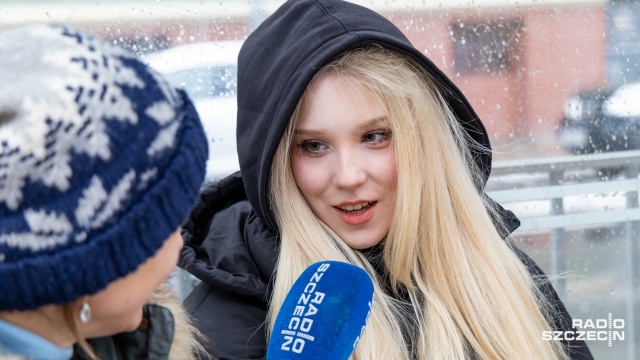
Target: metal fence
606,188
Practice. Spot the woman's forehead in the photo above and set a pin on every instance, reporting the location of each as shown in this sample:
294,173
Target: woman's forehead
338,101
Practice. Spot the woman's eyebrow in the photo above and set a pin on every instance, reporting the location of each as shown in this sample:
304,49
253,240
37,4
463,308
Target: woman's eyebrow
309,132
374,122
368,124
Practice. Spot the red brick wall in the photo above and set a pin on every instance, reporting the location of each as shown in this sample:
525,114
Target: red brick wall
565,51
560,49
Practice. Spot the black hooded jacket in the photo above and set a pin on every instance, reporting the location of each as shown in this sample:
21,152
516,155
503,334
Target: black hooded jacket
231,236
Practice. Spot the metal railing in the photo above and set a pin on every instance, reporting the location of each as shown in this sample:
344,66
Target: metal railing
553,181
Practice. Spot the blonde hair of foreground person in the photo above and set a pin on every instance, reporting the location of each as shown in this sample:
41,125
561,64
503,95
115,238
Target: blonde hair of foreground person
470,294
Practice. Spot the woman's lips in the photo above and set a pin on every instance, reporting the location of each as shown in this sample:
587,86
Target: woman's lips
357,217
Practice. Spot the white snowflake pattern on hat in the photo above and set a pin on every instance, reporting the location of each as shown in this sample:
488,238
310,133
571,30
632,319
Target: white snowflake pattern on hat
100,161
44,127
27,151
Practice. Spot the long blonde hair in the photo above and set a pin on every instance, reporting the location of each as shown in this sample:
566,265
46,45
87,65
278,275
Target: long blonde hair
469,294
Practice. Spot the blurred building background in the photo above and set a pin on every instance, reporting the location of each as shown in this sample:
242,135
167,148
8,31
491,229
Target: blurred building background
517,61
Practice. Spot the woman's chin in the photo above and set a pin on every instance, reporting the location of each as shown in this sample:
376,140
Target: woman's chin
134,322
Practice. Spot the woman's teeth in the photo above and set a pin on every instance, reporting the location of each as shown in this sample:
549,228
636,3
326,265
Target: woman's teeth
355,207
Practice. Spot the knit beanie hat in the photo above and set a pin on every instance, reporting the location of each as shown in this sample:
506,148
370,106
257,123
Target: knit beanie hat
101,161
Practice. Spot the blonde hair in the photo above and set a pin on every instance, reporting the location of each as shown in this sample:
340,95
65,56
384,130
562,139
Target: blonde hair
469,293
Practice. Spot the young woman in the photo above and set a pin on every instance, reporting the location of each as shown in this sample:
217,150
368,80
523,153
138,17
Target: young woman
100,163
354,147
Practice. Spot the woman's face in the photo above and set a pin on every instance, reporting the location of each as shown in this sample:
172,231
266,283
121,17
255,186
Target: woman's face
343,161
118,308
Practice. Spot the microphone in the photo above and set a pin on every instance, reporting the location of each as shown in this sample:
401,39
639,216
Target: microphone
324,313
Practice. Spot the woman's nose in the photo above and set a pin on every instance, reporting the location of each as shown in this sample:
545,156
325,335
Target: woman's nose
349,171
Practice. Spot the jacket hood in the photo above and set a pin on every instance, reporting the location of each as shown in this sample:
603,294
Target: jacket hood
279,59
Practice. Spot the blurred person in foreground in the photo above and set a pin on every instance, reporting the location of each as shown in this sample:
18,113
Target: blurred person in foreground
100,162
355,147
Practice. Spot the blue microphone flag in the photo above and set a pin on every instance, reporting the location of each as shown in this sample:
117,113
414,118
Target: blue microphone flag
324,313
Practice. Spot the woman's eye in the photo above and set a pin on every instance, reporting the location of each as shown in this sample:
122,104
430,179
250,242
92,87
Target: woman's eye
313,147
376,137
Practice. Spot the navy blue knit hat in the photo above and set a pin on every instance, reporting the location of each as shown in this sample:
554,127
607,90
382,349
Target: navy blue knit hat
100,161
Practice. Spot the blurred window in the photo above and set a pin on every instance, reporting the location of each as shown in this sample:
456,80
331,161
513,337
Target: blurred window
484,47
